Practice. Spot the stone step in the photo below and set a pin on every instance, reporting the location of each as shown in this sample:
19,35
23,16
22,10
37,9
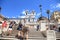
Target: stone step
30,38
9,37
57,34
35,36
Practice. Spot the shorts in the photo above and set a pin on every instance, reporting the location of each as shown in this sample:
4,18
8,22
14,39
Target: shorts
4,29
20,29
10,29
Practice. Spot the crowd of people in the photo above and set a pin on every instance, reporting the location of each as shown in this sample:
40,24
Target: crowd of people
6,30
22,31
55,28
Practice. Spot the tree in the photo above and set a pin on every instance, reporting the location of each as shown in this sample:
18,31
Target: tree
48,12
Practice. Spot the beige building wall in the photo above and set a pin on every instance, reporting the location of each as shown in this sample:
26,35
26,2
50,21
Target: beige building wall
1,19
56,16
58,20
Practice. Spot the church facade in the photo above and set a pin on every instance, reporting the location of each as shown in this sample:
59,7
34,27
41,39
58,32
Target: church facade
29,19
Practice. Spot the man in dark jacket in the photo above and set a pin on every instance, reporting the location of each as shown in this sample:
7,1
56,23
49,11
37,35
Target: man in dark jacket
37,27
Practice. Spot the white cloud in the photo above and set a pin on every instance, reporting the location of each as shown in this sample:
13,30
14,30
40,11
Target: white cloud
18,16
38,14
55,5
23,12
58,5
13,17
7,17
22,16
52,6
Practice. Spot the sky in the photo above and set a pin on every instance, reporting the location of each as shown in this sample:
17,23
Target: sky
16,8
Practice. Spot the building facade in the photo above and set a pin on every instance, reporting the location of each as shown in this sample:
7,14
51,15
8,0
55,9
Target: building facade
29,19
2,18
56,16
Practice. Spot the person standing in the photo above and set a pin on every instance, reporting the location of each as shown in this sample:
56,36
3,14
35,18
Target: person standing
20,33
59,29
0,28
37,27
4,28
10,28
25,31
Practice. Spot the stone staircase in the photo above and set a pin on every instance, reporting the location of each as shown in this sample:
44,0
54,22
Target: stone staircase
57,35
33,35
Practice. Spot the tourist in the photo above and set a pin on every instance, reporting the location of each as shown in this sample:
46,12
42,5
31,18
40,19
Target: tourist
20,33
4,28
37,27
0,28
59,29
25,31
47,27
10,28
54,27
